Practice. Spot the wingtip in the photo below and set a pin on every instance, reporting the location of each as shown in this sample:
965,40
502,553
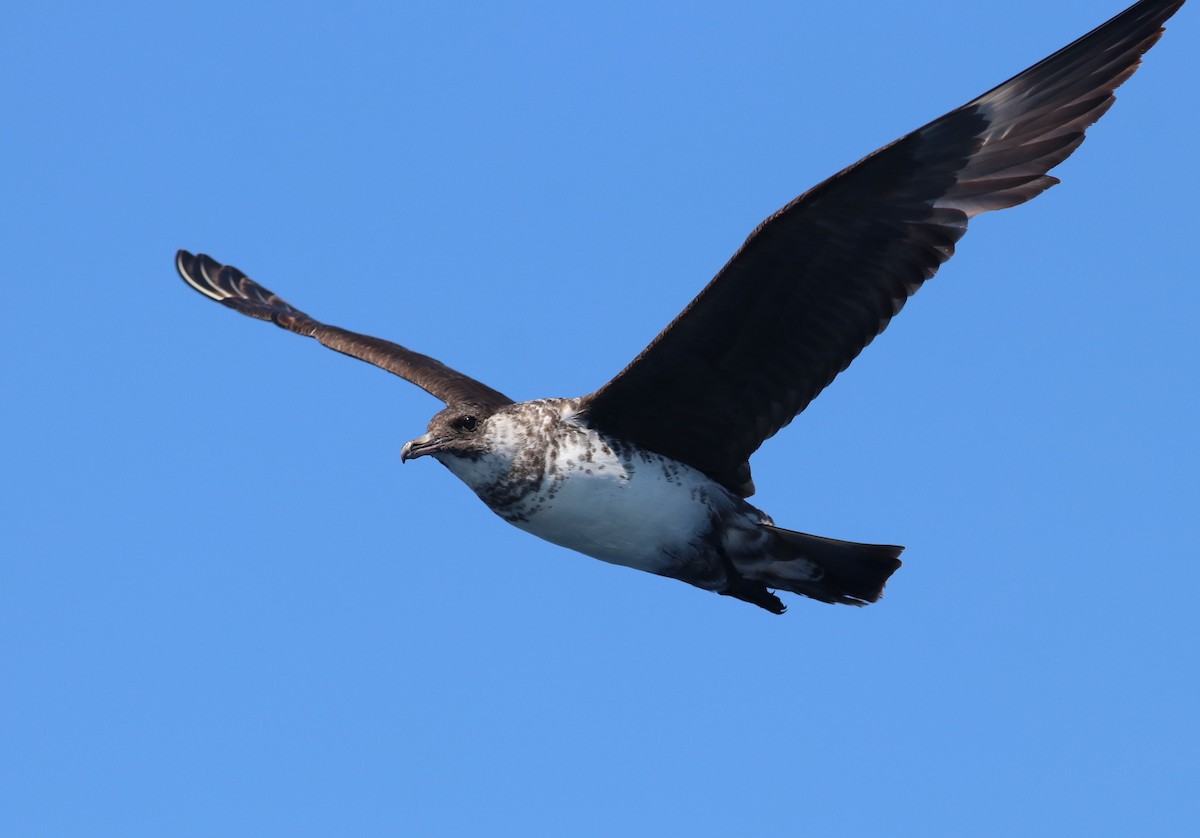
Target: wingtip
183,263
186,265
201,273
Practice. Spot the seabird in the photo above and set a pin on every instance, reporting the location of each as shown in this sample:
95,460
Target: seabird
652,471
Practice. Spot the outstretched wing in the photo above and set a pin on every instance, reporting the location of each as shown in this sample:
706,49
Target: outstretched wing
817,281
230,287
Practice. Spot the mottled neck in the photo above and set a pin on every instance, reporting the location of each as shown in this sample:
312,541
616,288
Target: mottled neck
523,445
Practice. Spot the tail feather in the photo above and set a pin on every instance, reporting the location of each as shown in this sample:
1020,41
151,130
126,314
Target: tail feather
827,569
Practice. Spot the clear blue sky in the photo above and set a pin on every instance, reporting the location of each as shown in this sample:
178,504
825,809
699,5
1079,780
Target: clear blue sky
225,608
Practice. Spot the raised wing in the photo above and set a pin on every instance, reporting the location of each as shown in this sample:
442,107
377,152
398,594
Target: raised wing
817,281
230,287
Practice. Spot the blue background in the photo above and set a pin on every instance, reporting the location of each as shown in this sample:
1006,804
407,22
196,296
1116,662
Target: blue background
226,610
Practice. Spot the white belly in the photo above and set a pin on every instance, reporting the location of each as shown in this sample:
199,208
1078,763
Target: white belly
644,514
636,509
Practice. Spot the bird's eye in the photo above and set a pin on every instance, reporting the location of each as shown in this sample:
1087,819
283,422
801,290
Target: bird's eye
467,423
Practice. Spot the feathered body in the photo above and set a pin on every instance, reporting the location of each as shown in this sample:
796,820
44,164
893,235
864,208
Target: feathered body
540,466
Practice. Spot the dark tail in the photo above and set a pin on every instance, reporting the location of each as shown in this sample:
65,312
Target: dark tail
835,571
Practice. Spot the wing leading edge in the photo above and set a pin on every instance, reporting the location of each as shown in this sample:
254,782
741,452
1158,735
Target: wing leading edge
232,288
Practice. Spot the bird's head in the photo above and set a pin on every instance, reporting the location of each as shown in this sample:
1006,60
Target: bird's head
457,431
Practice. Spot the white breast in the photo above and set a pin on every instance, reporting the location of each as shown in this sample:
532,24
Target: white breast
634,508
643,511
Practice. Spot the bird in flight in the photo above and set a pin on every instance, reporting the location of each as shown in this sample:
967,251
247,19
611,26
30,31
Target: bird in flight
652,471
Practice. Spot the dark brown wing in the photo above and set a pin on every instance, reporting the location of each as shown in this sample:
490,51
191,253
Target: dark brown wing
817,281
230,287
